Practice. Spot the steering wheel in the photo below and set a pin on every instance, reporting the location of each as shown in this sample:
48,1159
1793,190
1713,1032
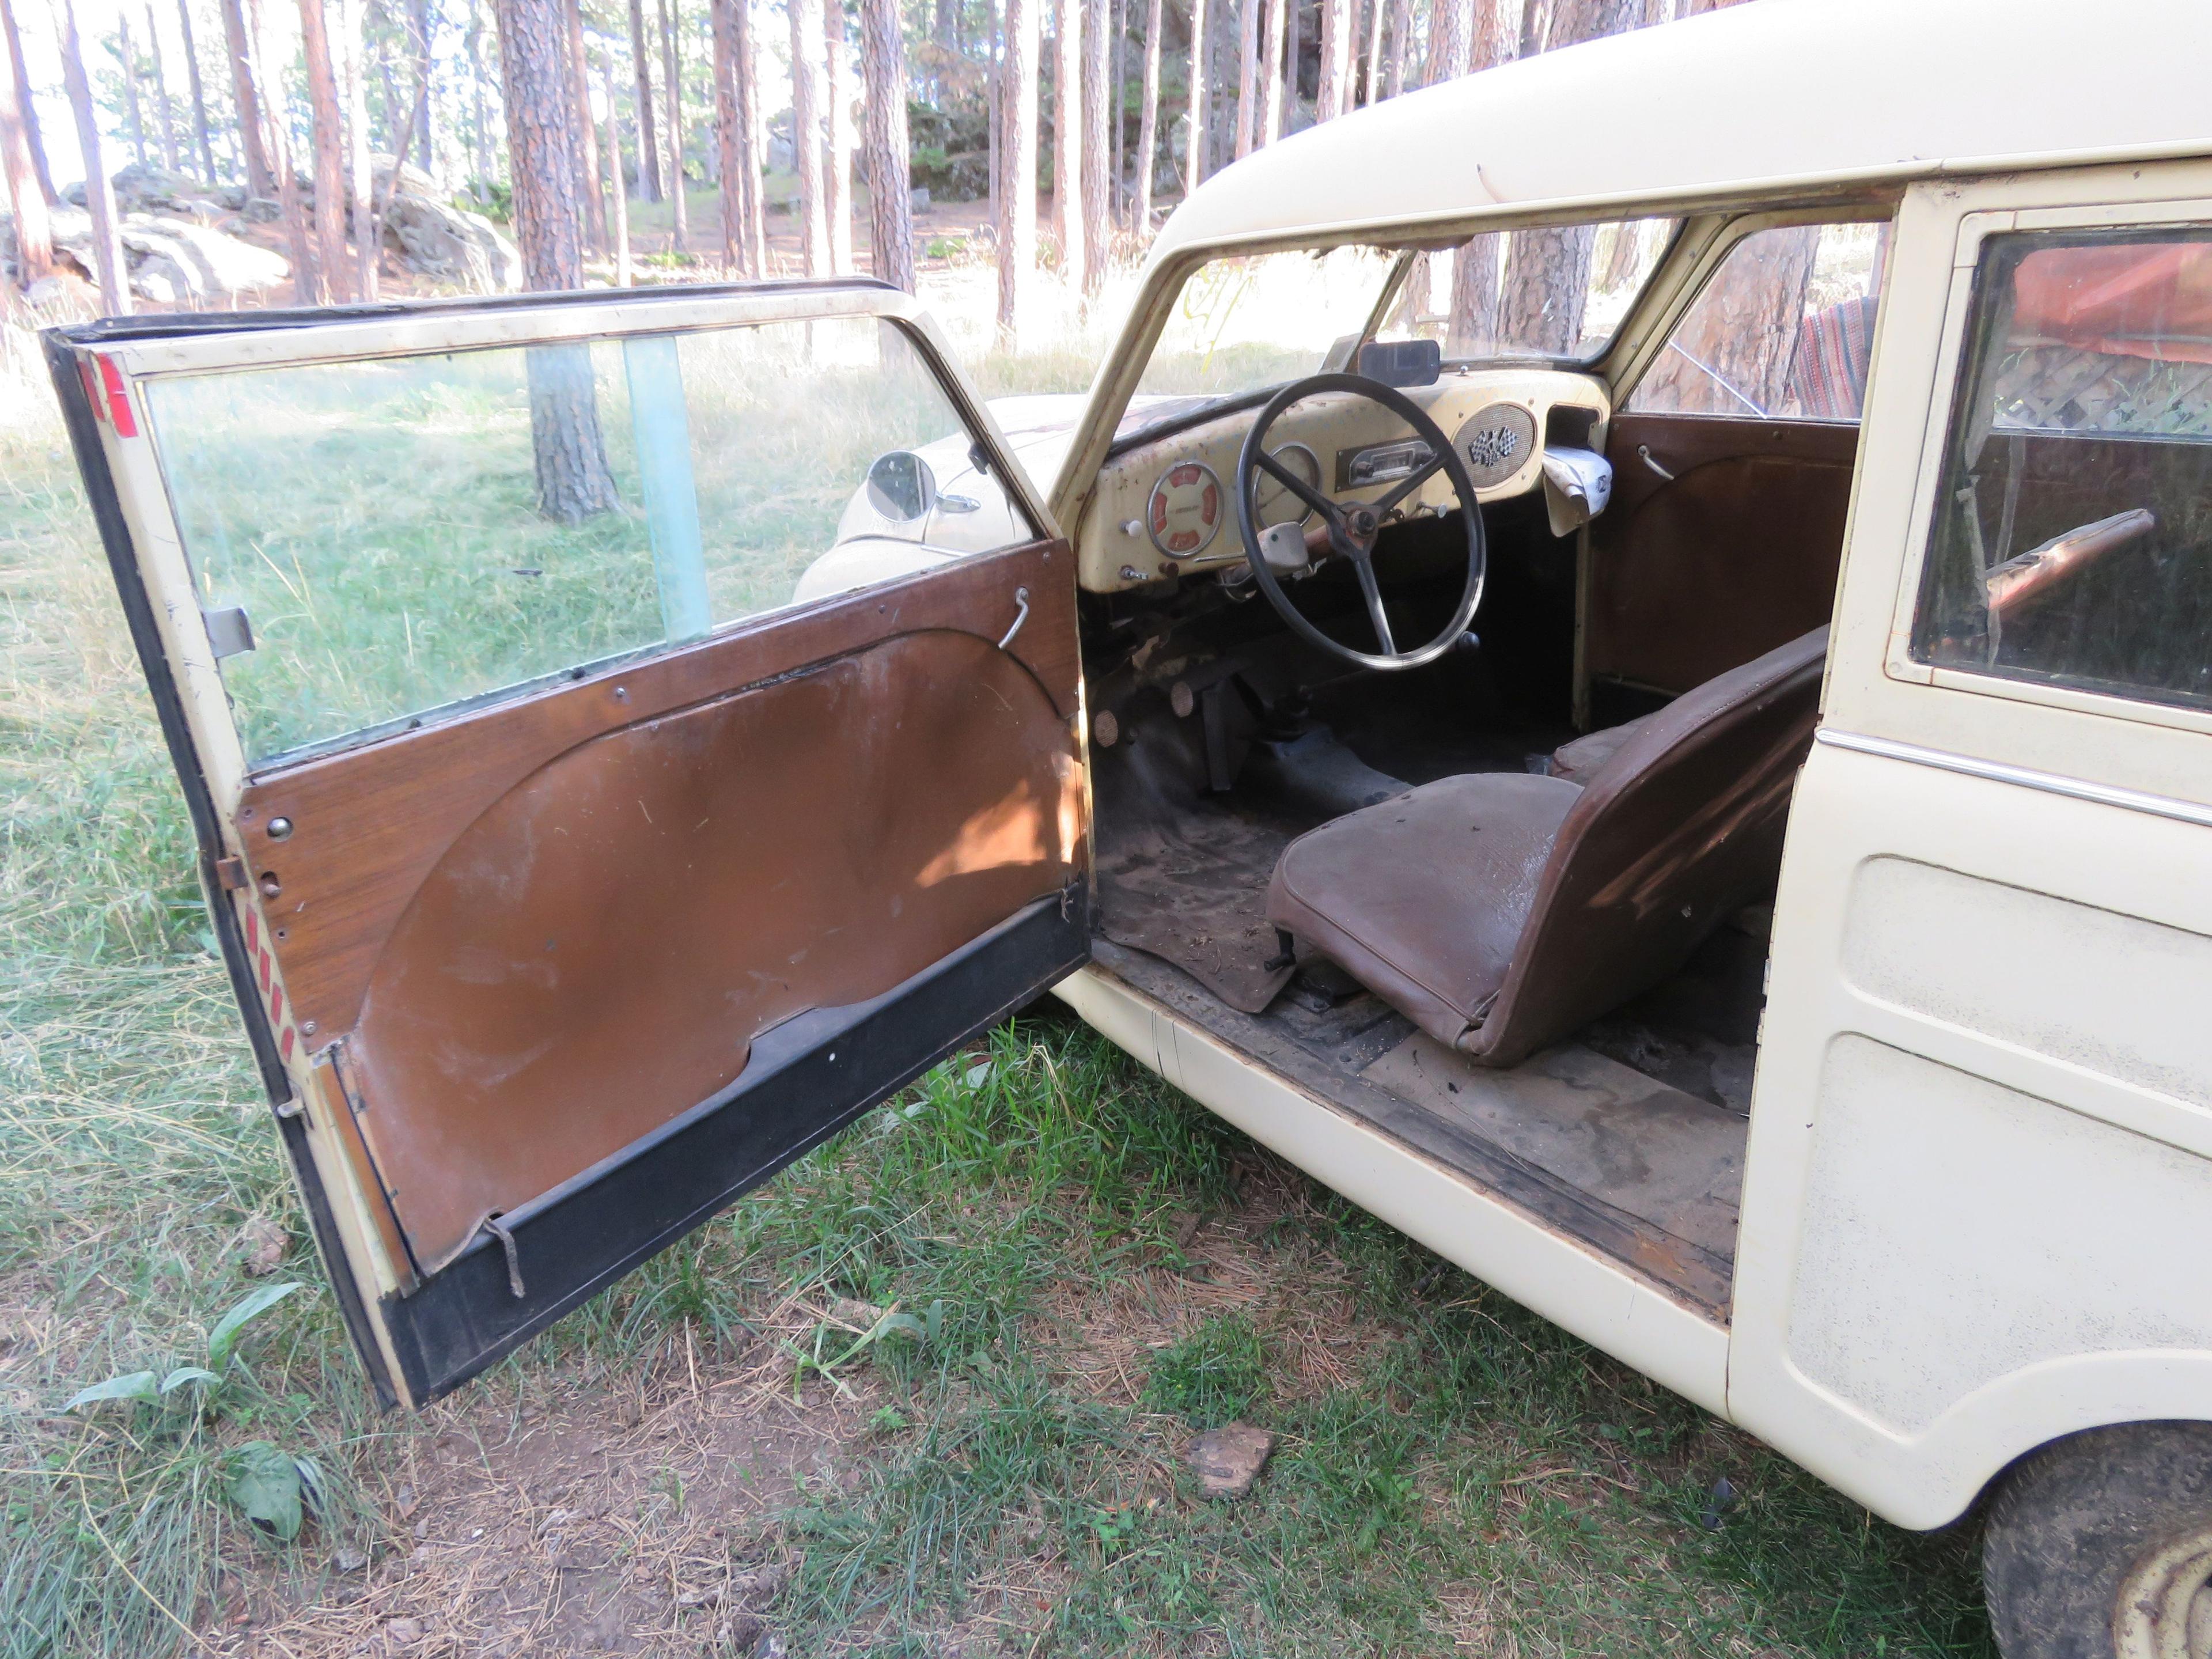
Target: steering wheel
1353,527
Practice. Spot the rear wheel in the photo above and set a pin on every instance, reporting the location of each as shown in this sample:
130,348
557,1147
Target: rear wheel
2100,1547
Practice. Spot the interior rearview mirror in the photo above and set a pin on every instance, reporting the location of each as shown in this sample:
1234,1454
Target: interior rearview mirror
900,486
1402,363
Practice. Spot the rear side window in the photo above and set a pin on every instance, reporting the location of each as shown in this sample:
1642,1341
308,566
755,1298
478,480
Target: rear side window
409,536
1783,331
2072,541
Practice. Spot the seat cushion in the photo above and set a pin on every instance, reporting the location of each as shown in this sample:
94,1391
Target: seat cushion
1422,898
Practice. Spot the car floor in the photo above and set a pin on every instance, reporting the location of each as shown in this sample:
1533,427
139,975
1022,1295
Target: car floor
1630,1136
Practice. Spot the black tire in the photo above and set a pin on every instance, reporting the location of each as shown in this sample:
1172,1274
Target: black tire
2081,1519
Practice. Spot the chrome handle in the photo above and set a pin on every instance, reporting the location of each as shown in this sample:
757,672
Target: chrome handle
1021,616
1644,454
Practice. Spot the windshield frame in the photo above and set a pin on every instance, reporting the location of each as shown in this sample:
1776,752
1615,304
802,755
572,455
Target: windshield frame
1392,287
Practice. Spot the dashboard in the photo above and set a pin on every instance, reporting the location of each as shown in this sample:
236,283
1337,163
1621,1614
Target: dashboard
1165,506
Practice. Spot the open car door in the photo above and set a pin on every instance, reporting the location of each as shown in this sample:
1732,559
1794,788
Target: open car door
573,878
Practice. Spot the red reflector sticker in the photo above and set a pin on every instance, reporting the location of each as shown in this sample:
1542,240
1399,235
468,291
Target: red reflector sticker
119,399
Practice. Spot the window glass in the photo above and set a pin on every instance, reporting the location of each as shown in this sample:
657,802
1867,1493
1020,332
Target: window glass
2072,543
1250,323
1558,292
409,534
1784,330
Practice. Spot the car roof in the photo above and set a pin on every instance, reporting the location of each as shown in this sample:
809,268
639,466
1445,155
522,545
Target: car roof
1773,98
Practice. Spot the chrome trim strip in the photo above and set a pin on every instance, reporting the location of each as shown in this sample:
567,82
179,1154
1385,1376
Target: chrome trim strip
2132,800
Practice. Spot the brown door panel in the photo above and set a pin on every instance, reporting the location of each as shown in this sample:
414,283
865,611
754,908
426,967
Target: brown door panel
1735,556
367,824
548,930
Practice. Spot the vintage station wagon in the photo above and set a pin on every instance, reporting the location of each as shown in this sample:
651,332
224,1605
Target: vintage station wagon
1619,665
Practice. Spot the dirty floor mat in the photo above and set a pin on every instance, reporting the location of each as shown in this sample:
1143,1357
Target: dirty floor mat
1196,895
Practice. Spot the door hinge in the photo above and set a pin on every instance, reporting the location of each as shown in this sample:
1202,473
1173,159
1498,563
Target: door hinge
229,629
230,872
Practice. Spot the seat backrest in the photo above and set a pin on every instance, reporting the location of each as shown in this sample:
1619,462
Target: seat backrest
1682,826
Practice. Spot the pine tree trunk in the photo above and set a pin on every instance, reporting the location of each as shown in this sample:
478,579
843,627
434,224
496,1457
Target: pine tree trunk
1098,229
1118,206
291,205
1738,342
1294,15
546,128
1247,77
162,111
1329,98
1194,170
838,86
1378,11
1017,231
623,275
35,246
1148,129
480,115
1547,273
1067,143
585,149
200,139
134,123
1271,71
99,191
805,17
419,34
20,73
736,100
648,143
326,132
672,68
1395,50
890,188
353,77
252,128
1473,327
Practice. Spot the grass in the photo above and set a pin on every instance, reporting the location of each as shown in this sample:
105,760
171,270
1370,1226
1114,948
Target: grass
1095,1267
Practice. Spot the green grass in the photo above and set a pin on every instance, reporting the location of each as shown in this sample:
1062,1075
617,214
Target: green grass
1474,1476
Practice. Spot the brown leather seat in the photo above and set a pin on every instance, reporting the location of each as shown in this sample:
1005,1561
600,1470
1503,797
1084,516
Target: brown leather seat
1500,910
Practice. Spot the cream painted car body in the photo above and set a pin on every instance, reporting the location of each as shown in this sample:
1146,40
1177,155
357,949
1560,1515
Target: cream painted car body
1978,1194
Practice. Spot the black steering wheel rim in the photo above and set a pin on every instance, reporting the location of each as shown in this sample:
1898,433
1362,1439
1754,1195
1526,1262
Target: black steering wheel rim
1345,537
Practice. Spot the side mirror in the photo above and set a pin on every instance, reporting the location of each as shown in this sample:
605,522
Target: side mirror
1402,363
900,486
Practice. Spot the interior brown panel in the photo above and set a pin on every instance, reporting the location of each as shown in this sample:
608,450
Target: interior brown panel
1735,556
596,952
368,825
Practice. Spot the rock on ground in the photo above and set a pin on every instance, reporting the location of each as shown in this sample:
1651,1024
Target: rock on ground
1228,1459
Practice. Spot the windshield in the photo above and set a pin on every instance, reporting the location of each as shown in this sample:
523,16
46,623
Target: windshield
1246,324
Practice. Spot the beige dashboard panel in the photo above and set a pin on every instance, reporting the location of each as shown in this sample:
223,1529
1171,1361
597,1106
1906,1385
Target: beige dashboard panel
1117,549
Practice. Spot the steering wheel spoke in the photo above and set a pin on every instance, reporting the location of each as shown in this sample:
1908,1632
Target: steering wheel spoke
1407,485
1373,591
1298,486
1352,528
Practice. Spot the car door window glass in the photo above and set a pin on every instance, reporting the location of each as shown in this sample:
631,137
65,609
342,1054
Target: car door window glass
409,534
1782,331
2072,541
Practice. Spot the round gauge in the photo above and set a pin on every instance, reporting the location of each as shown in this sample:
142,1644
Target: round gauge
1274,499
1185,509
1496,443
